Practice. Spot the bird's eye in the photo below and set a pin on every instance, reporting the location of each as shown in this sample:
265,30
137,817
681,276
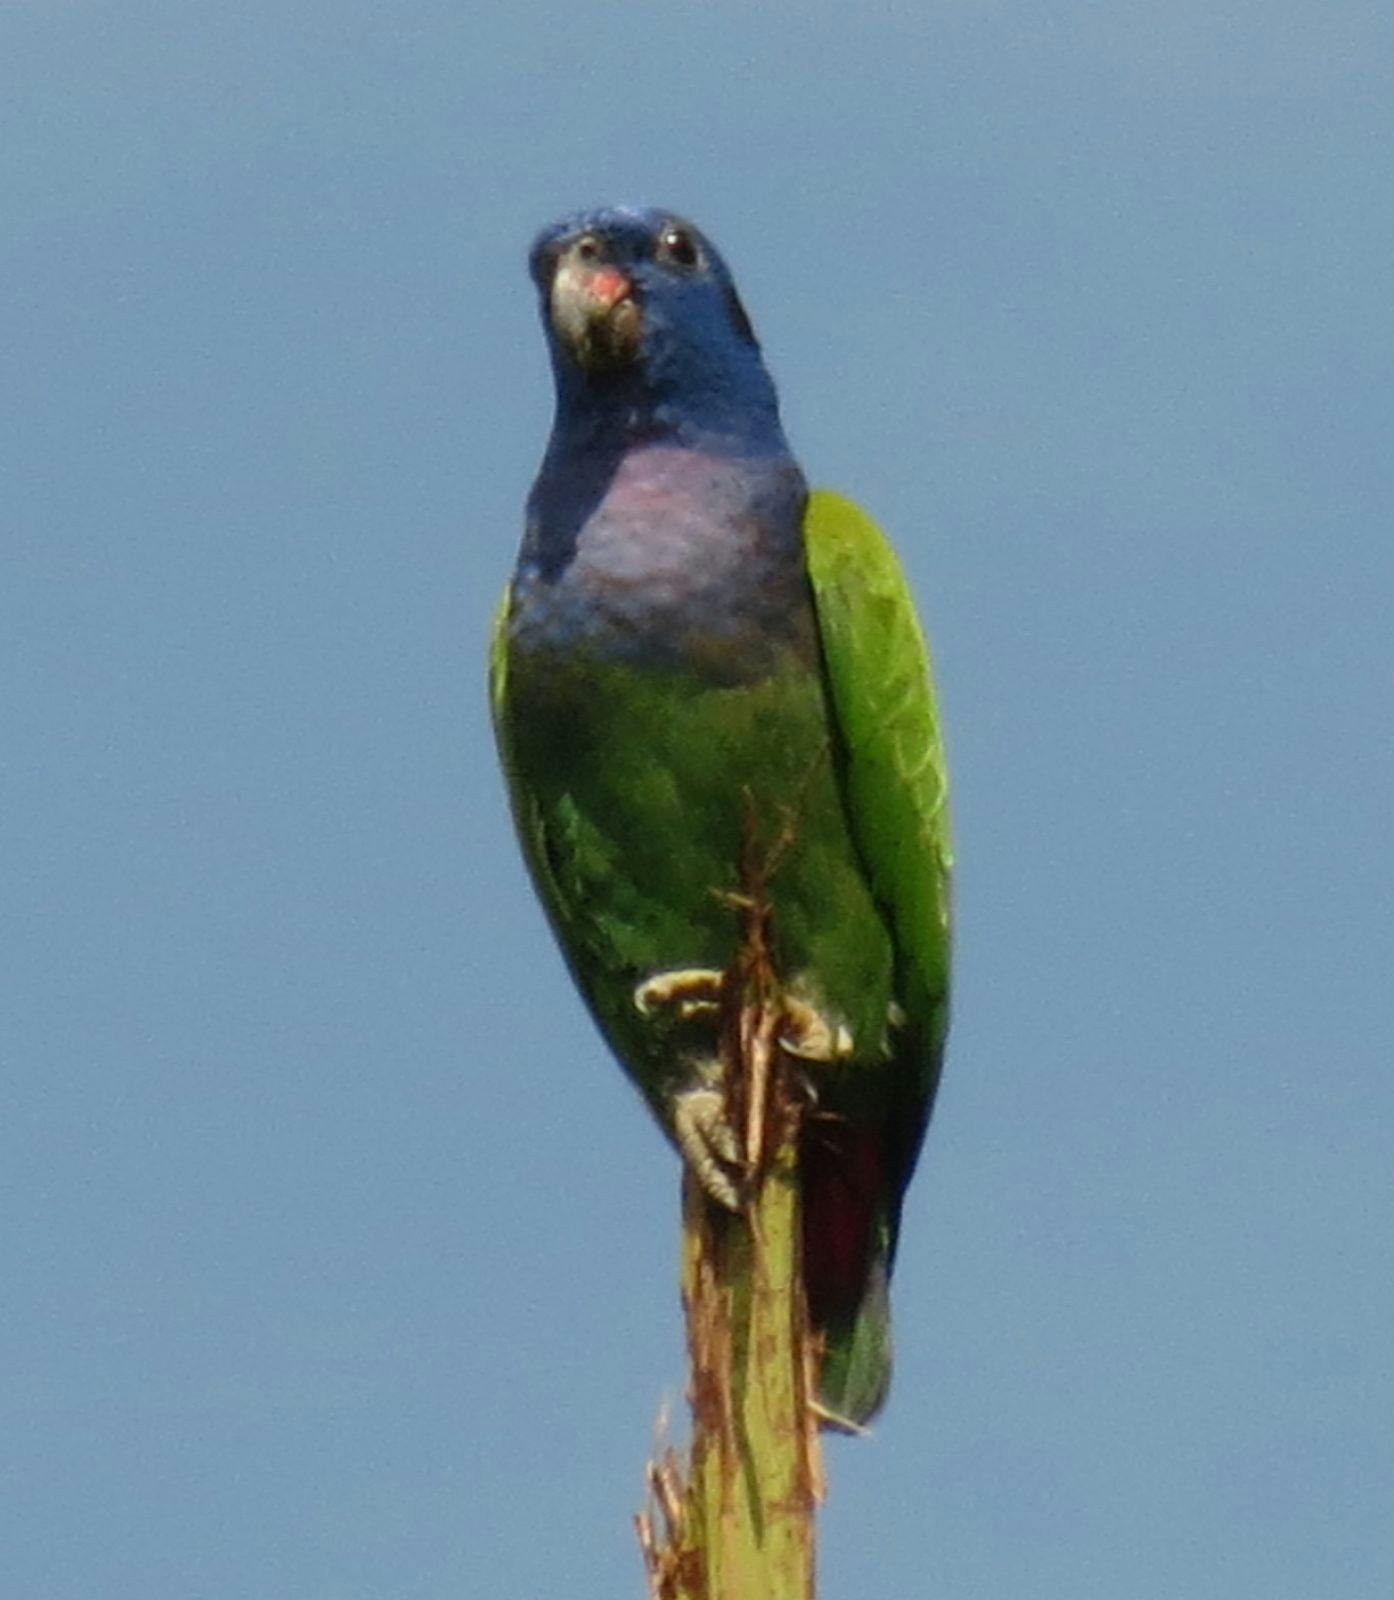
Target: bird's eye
587,248
678,246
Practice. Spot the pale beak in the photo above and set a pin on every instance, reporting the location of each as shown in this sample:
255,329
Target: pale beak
593,309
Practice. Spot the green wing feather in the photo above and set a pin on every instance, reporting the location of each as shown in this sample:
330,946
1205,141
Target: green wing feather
498,654
525,813
895,790
895,777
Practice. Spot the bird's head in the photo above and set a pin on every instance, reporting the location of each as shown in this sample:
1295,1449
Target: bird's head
641,313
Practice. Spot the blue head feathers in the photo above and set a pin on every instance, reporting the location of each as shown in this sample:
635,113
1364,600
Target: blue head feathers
648,336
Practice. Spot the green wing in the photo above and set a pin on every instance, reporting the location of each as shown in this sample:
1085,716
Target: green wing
524,810
894,773
498,657
525,803
498,684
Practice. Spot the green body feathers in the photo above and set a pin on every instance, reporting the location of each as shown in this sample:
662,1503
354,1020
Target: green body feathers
630,784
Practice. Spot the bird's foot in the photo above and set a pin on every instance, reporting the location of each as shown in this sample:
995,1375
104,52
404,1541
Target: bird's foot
691,991
709,1144
694,993
805,1032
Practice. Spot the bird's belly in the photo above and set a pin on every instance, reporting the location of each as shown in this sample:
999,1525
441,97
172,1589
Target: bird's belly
643,786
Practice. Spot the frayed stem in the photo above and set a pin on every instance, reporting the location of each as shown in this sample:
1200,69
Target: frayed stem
737,1521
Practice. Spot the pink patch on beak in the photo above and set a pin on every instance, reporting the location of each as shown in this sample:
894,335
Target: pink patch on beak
609,286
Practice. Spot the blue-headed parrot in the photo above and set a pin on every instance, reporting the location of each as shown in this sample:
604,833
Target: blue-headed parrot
690,638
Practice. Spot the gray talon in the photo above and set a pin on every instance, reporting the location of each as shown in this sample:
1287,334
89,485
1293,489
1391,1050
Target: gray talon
708,1143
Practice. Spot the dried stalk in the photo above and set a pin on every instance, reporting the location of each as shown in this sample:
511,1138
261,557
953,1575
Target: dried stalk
737,1521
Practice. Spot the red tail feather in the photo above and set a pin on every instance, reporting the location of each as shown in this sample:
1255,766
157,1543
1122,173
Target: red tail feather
844,1193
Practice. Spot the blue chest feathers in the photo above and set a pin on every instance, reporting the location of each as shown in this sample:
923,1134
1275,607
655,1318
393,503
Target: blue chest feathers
669,557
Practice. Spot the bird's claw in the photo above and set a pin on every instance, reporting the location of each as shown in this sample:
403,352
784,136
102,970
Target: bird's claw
700,1125
695,992
690,991
805,1032
709,1145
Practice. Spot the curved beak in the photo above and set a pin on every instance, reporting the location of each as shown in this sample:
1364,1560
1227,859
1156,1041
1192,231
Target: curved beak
594,311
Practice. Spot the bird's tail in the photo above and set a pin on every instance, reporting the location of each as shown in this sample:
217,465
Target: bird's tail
849,1220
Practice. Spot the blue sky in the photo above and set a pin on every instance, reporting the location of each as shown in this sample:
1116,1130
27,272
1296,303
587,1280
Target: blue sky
338,1259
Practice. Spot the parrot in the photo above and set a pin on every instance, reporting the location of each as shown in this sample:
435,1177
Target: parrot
690,638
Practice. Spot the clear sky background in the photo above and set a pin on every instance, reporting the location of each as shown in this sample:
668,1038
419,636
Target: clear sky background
337,1260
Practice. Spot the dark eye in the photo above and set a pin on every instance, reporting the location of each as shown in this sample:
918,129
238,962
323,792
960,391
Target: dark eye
678,246
588,248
